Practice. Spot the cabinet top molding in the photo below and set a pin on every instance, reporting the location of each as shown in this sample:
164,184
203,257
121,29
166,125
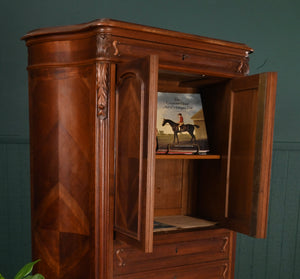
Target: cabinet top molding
117,41
149,33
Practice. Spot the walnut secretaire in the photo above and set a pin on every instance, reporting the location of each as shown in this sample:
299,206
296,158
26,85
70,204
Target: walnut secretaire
98,185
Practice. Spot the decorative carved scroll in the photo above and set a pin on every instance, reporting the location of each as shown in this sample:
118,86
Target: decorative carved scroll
120,260
226,240
240,67
102,88
106,47
225,271
115,45
243,67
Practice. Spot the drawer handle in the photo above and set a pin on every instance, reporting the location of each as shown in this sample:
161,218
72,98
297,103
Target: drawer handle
121,261
115,45
184,56
225,271
226,240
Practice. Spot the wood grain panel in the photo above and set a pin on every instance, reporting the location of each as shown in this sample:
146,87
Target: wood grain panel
168,188
242,154
250,152
130,136
135,151
193,247
204,271
61,167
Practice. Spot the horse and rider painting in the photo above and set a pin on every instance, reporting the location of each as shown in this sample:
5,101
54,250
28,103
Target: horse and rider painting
180,123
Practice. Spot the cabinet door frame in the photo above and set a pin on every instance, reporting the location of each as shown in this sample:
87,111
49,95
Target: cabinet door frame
261,89
134,198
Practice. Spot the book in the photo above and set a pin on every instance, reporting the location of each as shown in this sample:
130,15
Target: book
158,226
181,125
183,149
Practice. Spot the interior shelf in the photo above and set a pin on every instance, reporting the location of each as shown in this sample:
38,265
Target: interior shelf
188,157
167,223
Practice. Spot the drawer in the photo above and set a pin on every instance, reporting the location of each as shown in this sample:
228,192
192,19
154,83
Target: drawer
220,270
172,251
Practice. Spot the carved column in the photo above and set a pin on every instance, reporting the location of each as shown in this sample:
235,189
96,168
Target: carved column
107,51
101,169
102,88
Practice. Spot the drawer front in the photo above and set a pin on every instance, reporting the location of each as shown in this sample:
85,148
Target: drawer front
190,58
201,271
172,254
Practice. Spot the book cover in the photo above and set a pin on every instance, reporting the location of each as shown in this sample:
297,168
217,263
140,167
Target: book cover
181,125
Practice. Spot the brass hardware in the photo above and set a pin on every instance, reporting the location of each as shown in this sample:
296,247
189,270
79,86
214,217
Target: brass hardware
121,261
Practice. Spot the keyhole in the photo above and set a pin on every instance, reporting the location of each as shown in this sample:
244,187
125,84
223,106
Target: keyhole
184,56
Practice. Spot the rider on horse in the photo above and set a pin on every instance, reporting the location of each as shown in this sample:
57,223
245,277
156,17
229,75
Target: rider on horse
180,123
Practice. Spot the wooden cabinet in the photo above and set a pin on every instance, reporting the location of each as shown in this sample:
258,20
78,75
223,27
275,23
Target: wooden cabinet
97,183
184,251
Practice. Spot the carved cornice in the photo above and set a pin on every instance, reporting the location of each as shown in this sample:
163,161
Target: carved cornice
102,88
106,46
243,67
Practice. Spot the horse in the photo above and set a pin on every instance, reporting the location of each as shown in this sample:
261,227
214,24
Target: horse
184,128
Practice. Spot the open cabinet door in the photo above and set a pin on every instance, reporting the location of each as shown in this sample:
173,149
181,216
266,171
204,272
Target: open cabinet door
136,97
250,152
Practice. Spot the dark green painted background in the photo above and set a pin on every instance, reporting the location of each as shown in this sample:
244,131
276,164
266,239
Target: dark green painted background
271,27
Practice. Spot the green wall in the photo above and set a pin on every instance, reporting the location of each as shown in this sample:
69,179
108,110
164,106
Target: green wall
268,26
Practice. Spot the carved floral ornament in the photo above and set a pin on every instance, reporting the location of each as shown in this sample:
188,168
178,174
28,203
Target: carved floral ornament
102,88
106,46
243,67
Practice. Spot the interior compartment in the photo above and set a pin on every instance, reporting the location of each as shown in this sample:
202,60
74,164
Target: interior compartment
191,190
182,187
